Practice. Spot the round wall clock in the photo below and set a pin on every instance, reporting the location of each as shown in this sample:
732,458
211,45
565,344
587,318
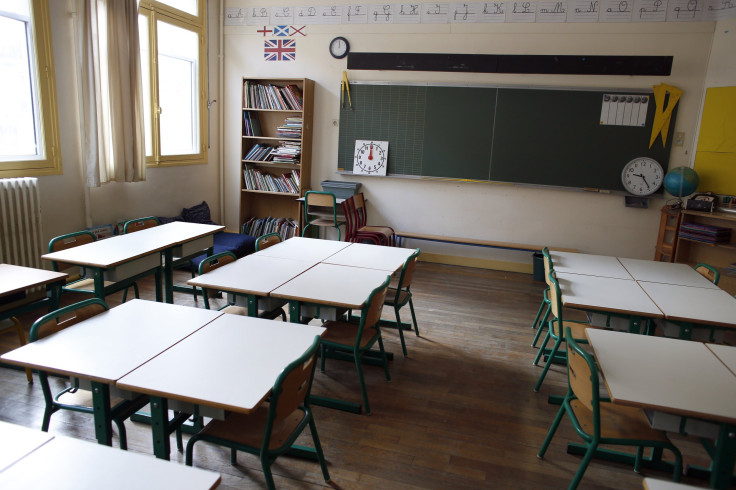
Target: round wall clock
642,176
339,47
371,157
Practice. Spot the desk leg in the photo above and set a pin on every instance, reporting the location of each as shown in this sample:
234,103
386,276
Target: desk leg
102,413
724,458
99,281
160,427
157,279
252,301
54,294
169,275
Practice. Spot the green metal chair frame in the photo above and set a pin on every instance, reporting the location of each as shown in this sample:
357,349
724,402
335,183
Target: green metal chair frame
138,224
61,242
540,320
583,401
399,296
265,241
218,260
709,272
556,328
282,418
322,200
344,336
49,324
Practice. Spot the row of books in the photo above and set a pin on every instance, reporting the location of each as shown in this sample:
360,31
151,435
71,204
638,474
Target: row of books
286,152
705,233
270,96
257,180
731,269
292,128
252,124
286,227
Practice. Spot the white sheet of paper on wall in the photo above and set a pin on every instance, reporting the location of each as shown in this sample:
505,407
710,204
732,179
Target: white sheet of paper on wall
624,109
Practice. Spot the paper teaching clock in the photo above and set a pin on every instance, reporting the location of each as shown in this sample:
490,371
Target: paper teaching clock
371,157
642,176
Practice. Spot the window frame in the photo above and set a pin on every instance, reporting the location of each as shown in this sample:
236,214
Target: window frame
49,162
156,11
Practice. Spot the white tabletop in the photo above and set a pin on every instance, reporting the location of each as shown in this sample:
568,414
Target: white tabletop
17,441
14,278
65,463
232,363
593,265
676,376
727,355
606,294
309,249
111,344
370,256
122,248
253,274
696,305
666,272
334,285
652,484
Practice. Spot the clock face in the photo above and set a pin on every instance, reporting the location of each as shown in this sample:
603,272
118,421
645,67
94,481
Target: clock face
371,157
642,176
339,47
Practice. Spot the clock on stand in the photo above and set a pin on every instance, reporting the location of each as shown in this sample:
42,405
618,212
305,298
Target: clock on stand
641,177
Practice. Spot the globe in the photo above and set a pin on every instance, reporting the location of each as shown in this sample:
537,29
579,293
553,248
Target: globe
681,181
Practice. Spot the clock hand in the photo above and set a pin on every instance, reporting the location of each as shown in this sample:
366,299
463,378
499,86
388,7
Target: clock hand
644,179
370,153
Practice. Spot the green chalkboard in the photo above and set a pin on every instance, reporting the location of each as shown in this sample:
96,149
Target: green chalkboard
531,136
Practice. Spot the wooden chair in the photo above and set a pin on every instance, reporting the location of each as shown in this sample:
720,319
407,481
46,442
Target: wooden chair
399,296
709,272
357,230
272,429
600,421
320,209
343,336
218,260
81,283
265,241
71,397
557,328
540,321
138,224
18,327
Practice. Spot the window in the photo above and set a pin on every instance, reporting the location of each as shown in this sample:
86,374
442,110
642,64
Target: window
174,70
29,128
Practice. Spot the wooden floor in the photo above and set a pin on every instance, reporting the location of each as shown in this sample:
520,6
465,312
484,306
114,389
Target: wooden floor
459,411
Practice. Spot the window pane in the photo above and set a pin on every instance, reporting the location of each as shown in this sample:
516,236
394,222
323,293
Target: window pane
146,79
178,89
188,6
18,130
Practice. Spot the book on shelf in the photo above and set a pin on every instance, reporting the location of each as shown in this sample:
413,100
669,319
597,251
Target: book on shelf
705,233
258,180
285,227
252,124
271,96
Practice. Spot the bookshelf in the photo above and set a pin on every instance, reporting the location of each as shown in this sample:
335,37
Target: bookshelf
276,152
692,249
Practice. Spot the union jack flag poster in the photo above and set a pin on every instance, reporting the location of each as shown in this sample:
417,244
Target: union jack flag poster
279,50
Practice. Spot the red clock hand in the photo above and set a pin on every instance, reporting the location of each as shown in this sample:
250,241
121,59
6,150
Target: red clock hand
370,154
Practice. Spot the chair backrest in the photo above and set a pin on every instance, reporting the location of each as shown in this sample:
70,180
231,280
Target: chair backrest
555,297
214,261
582,378
361,212
371,312
351,223
322,200
407,271
133,225
547,261
709,272
70,240
66,317
265,241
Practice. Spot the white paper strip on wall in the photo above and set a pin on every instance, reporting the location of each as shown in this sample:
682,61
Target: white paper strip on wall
492,12
615,11
643,108
259,16
720,9
235,16
282,15
685,10
583,11
521,11
650,11
329,14
551,11
381,14
464,12
306,15
355,14
435,13
407,13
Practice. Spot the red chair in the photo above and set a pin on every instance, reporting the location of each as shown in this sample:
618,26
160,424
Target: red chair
356,217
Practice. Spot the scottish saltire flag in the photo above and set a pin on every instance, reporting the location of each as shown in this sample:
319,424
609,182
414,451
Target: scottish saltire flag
279,50
281,31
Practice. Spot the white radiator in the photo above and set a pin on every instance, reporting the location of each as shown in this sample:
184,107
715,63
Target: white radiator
20,222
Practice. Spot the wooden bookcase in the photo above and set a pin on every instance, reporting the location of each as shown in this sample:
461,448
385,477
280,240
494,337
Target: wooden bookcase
275,203
718,255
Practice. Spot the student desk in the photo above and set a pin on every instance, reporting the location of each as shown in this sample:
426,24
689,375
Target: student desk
369,256
106,347
726,354
618,297
135,255
673,376
308,249
230,364
65,463
588,264
15,281
690,310
16,442
252,276
666,272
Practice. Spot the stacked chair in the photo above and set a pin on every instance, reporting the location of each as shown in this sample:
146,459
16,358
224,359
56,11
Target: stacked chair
357,230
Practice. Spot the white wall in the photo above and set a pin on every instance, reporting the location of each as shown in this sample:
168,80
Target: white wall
592,223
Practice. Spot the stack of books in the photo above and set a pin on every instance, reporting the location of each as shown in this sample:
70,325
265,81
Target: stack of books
288,152
259,153
286,227
292,128
257,180
705,233
731,270
260,96
252,125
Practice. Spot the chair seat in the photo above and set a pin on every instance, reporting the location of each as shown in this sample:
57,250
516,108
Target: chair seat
85,285
385,230
247,429
577,329
391,297
83,398
243,311
618,422
344,333
325,222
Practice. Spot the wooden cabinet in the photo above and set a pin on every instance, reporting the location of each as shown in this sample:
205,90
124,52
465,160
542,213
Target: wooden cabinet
719,255
276,152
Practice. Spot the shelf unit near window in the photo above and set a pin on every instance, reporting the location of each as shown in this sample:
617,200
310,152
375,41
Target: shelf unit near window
279,202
